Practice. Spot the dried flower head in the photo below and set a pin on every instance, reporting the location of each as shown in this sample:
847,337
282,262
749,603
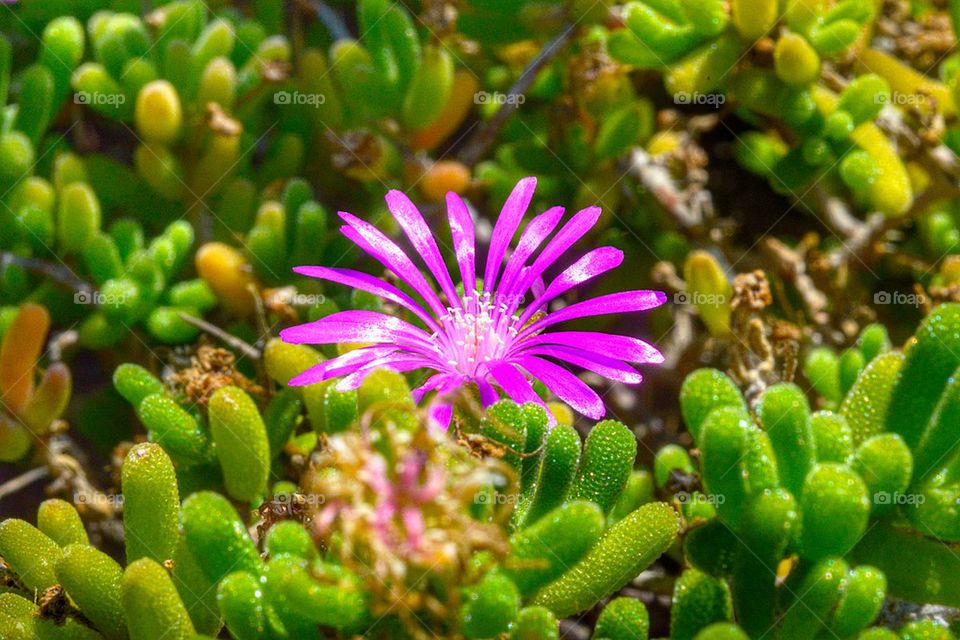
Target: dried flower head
394,505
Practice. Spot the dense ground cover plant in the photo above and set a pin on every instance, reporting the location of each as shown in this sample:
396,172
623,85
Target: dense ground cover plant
220,416
394,530
801,509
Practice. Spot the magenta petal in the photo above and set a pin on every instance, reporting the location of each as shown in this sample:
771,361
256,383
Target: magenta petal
353,360
488,395
464,242
374,242
421,237
398,363
360,326
575,228
565,385
477,340
622,302
353,380
609,368
514,383
432,383
370,284
346,363
605,344
530,240
594,263
316,373
507,223
414,524
440,414
538,287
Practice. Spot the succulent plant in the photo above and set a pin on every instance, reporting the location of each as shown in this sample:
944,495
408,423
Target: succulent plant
131,283
800,509
306,440
506,543
31,409
697,47
223,428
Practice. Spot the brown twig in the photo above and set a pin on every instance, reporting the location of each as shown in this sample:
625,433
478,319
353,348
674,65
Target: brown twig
13,485
330,18
248,350
480,143
61,274
792,265
837,215
67,468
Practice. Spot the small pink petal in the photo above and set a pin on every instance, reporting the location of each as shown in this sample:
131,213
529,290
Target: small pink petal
416,228
605,344
596,262
622,302
569,234
507,223
464,241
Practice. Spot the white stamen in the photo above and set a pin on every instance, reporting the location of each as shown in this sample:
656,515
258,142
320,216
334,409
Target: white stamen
479,332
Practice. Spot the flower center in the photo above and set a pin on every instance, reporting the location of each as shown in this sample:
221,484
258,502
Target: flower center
480,332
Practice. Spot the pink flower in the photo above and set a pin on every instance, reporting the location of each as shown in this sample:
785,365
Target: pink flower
488,336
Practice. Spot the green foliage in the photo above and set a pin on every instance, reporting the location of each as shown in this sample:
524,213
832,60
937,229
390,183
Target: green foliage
623,618
544,550
699,600
785,415
490,606
92,579
241,603
558,467
61,522
608,457
151,604
703,391
241,440
217,536
20,620
555,565
625,549
821,488
165,166
535,623
151,503
30,553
